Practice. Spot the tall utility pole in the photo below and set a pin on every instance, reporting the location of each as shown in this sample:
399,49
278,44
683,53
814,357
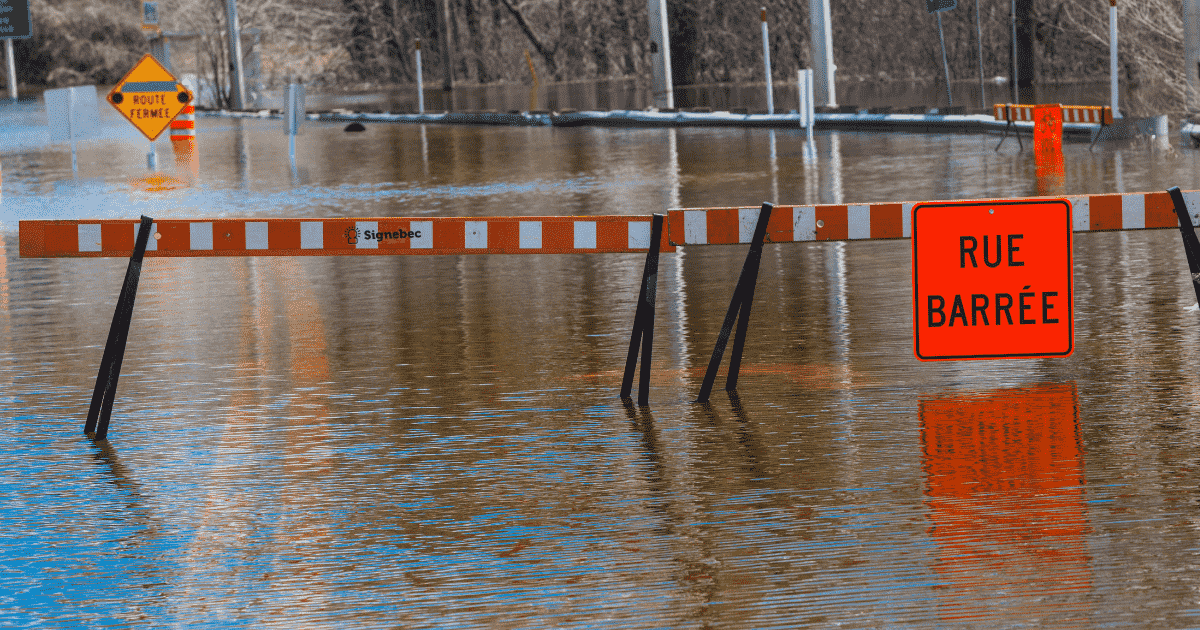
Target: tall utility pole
1191,50
447,69
1025,21
822,52
979,40
1016,97
1112,54
663,93
235,55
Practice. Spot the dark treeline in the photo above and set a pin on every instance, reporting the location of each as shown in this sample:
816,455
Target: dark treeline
711,40
369,43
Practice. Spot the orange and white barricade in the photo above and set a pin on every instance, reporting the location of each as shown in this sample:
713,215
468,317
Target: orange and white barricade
1080,114
851,222
342,236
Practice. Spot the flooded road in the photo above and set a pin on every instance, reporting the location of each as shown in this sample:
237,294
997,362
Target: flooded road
437,441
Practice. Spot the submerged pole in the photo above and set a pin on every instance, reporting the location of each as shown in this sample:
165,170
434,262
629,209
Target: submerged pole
105,391
811,115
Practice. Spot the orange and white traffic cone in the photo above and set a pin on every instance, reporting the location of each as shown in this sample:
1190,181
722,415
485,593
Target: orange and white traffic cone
183,141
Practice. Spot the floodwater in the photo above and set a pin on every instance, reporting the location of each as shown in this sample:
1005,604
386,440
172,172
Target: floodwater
438,441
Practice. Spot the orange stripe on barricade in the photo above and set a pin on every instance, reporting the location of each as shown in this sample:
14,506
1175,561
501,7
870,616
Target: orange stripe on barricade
343,236
842,222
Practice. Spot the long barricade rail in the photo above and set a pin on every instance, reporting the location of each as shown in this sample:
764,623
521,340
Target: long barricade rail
342,236
548,235
850,222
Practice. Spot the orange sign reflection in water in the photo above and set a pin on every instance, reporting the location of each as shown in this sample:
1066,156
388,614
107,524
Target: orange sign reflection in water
1004,486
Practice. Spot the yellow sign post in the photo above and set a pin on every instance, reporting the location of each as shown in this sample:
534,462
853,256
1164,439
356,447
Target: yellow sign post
149,97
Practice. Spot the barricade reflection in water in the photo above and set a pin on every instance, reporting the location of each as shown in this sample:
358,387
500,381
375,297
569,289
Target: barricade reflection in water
1004,489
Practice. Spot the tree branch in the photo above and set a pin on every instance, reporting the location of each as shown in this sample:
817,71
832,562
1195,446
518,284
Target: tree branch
547,54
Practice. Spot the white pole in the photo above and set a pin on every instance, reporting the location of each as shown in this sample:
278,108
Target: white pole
235,53
12,69
804,89
420,82
822,44
767,62
801,109
71,127
810,103
1112,54
662,93
290,112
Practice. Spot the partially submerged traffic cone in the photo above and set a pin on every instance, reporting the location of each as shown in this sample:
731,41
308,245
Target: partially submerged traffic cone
1047,148
183,141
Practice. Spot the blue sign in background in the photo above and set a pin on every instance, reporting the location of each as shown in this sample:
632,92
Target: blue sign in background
933,6
15,22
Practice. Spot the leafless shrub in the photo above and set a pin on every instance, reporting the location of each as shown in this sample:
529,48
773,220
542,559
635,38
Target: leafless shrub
1149,51
303,41
76,42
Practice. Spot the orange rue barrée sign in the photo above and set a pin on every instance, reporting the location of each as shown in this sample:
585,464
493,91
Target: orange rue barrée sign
992,280
149,97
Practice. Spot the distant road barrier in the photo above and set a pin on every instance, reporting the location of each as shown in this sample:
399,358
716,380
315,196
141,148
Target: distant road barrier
1095,114
1086,114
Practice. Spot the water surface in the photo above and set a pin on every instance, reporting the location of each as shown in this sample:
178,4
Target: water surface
438,441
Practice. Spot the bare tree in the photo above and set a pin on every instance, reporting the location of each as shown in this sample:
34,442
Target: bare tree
298,40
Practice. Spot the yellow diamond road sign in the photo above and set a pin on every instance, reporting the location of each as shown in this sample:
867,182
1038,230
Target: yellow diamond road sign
150,97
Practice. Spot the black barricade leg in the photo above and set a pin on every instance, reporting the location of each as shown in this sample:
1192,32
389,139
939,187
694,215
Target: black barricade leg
739,338
1093,145
114,350
1191,245
742,295
643,319
1006,128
